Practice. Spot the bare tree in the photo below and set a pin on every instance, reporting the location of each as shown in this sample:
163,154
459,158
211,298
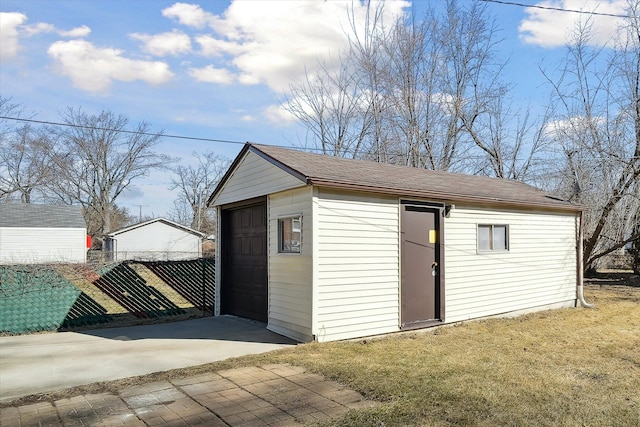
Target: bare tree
367,53
331,105
513,144
25,154
423,92
8,109
26,164
98,158
194,185
119,217
596,126
182,212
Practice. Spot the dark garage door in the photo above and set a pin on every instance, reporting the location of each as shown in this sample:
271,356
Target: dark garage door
244,261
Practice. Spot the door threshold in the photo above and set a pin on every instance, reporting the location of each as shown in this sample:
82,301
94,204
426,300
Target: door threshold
421,324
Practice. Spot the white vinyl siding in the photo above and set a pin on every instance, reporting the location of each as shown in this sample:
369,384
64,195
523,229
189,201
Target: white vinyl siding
539,269
20,245
255,177
156,241
290,274
345,281
357,265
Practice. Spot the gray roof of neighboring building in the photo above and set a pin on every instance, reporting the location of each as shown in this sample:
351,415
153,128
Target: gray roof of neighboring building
335,172
40,216
151,221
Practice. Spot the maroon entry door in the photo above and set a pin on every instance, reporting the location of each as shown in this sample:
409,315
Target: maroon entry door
420,257
244,261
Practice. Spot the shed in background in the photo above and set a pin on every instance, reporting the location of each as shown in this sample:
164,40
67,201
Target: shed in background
158,239
38,234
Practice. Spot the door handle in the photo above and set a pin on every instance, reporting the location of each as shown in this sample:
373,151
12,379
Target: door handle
434,264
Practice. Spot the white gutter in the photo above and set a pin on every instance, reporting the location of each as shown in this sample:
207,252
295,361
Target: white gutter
583,303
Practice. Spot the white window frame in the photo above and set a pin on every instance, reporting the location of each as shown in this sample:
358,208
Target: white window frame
491,247
294,246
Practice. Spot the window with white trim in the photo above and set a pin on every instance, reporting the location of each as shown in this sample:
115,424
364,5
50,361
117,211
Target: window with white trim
290,234
493,237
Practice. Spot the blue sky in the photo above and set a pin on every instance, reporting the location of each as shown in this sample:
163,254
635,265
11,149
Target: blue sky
221,69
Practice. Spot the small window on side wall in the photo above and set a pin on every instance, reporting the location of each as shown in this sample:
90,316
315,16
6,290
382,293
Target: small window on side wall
493,237
290,235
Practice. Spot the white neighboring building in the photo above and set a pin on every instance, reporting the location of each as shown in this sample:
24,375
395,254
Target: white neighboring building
158,239
39,234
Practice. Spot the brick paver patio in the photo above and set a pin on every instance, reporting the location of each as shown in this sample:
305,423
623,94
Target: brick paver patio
269,395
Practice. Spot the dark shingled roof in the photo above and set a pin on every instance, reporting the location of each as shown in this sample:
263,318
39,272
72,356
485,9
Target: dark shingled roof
40,216
335,172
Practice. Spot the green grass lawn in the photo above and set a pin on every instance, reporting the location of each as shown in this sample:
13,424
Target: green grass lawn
571,367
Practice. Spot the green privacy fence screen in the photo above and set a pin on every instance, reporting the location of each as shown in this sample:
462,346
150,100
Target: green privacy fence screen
34,298
53,297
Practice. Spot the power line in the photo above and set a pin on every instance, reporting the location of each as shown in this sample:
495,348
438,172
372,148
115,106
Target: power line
558,9
193,138
315,149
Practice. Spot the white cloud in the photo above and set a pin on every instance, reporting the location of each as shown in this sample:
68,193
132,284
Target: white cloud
190,15
93,69
12,27
211,46
43,28
77,32
39,28
549,28
273,42
210,74
132,192
9,23
279,115
572,127
170,43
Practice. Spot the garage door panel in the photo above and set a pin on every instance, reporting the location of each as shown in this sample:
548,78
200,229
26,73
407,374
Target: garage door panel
246,246
245,263
257,243
259,219
245,219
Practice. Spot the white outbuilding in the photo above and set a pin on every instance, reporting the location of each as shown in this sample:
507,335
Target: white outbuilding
325,248
37,234
158,239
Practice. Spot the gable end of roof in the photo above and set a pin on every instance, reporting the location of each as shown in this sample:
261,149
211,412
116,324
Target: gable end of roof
151,221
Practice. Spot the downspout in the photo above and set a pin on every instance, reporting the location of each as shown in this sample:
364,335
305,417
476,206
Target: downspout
583,303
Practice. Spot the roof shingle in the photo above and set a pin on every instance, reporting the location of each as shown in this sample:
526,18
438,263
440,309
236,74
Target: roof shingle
41,216
335,172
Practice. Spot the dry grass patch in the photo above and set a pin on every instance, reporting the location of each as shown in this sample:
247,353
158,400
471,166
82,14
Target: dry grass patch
564,367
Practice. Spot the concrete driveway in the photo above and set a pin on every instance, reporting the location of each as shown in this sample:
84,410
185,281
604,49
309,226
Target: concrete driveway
46,362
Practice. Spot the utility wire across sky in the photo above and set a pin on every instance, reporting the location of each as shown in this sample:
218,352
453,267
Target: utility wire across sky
558,9
194,138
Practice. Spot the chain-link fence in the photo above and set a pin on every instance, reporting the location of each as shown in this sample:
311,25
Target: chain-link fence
46,297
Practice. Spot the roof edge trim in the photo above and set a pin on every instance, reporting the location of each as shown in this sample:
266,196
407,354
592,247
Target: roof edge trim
163,220
444,196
